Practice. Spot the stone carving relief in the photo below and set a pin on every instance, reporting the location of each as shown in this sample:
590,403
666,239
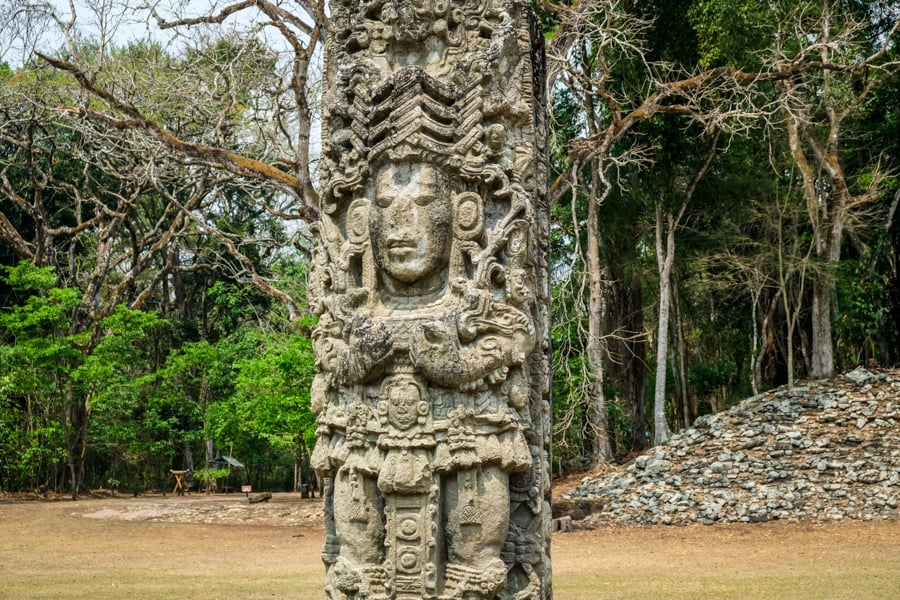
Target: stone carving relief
430,282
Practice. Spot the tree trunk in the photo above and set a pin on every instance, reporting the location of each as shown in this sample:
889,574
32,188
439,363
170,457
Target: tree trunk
601,450
661,431
767,359
757,349
687,410
77,417
822,355
665,259
188,457
625,359
822,359
637,365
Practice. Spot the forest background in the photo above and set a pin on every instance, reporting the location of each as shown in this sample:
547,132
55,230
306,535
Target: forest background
724,197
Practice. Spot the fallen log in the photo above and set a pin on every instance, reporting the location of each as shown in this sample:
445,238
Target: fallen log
256,498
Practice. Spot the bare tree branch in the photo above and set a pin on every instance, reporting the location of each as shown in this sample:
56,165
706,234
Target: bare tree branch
226,158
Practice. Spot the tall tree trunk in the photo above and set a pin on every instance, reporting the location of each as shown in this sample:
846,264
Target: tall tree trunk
188,464
77,415
637,365
687,409
828,250
661,431
665,259
766,359
625,360
601,451
757,350
822,355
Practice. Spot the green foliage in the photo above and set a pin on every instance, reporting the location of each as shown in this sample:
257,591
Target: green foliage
209,476
38,355
864,306
48,366
268,415
247,393
249,390
25,277
732,32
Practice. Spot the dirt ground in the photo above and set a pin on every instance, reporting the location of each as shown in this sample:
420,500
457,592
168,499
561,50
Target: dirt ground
211,547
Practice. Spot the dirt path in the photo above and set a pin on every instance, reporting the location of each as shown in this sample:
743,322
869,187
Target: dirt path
217,547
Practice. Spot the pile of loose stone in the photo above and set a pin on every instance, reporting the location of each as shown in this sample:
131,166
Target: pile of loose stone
820,452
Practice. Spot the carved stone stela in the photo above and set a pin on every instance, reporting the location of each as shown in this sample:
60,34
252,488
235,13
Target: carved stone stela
430,281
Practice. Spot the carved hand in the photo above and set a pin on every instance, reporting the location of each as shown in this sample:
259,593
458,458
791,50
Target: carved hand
437,354
371,346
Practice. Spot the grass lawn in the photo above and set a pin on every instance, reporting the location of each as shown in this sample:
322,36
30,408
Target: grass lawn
50,550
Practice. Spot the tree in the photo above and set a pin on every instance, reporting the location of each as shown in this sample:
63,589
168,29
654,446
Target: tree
280,107
233,104
271,400
667,223
39,394
59,373
837,54
816,111
121,217
601,55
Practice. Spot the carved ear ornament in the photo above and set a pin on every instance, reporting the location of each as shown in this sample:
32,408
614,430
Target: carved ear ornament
358,221
468,216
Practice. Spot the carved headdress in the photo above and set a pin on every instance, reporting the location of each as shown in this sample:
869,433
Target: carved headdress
411,115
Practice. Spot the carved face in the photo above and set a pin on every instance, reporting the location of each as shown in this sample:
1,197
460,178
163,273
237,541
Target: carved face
410,223
403,404
411,22
495,137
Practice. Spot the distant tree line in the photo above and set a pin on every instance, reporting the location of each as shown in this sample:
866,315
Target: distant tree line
726,200
724,197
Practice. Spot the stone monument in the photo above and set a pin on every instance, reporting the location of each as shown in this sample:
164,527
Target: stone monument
430,280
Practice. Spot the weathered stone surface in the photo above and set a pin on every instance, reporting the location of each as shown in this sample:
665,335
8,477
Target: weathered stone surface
825,451
430,282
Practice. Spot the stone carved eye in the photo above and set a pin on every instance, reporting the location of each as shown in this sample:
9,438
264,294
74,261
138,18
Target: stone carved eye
425,198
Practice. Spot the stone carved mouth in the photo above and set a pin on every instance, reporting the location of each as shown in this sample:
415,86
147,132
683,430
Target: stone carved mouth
402,244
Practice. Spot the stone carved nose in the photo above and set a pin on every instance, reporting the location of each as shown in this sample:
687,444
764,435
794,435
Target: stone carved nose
404,236
402,225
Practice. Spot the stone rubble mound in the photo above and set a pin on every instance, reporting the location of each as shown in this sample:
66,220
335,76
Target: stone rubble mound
824,451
